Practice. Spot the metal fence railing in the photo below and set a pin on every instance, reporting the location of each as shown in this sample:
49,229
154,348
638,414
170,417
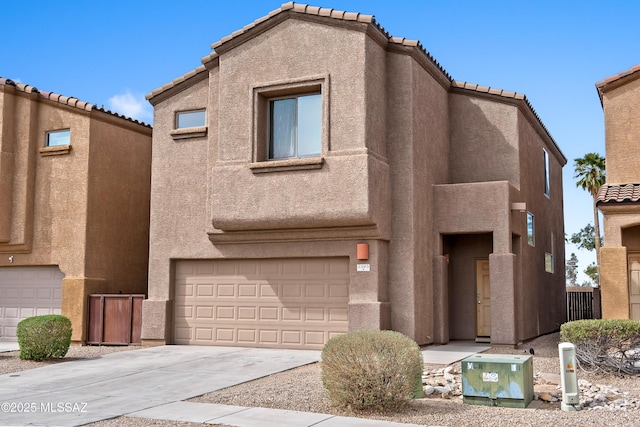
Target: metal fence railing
583,302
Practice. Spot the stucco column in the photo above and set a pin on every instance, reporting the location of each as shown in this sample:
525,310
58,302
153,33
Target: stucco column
614,283
440,299
369,306
502,276
75,301
157,311
156,318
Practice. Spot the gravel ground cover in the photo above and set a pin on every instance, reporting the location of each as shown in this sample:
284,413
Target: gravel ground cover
301,390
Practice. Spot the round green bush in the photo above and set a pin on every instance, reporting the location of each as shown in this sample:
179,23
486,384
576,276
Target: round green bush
371,370
44,337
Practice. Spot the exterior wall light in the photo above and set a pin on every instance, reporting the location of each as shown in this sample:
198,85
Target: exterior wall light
362,251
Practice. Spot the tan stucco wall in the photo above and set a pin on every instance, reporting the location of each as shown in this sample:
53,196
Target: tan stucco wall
50,192
337,195
118,206
613,283
417,138
622,127
98,249
543,294
484,141
394,138
621,227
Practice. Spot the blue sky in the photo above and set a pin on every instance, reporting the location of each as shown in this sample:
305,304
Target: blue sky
114,52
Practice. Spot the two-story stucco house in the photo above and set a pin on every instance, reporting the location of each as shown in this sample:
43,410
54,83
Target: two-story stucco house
316,175
74,205
619,199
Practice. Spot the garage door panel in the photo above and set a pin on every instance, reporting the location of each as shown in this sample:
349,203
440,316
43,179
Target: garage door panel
294,303
247,336
338,315
27,292
247,313
268,291
225,291
248,290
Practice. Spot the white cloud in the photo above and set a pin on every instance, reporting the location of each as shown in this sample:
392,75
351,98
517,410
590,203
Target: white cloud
131,105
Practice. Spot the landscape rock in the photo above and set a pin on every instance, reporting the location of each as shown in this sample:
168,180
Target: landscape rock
446,382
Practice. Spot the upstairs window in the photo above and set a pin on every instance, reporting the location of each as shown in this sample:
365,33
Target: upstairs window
547,182
58,138
531,238
295,127
190,119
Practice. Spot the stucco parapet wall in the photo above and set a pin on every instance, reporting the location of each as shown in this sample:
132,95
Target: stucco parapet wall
617,80
516,98
63,100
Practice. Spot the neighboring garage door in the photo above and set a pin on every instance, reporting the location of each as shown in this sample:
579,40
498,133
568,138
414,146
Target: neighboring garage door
26,292
275,303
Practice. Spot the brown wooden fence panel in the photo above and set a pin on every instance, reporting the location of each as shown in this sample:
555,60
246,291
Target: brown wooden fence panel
583,302
115,319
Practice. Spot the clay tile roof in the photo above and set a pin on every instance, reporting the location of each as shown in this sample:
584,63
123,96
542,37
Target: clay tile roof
618,76
622,193
602,85
300,8
182,78
61,99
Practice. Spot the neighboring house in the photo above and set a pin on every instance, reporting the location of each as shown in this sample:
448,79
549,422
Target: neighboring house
619,199
74,205
316,175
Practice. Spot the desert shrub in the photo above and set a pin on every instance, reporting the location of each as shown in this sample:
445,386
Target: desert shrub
44,337
605,345
369,369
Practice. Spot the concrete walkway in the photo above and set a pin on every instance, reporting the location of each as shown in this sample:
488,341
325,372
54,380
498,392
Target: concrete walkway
154,383
452,352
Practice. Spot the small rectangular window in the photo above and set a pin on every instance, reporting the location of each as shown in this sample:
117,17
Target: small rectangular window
190,119
547,182
295,127
57,138
530,230
548,262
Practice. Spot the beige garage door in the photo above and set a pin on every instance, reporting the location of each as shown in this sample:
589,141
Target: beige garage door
276,303
26,292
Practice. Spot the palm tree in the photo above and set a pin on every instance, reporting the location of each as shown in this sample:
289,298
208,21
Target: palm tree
591,173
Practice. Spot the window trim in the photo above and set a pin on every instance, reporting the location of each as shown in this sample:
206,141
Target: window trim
188,132
55,150
262,95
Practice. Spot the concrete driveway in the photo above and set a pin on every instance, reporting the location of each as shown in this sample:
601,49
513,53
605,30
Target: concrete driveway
85,391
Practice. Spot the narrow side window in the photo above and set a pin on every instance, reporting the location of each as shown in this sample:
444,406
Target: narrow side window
547,181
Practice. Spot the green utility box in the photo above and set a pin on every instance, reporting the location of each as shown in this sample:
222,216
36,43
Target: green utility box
497,380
